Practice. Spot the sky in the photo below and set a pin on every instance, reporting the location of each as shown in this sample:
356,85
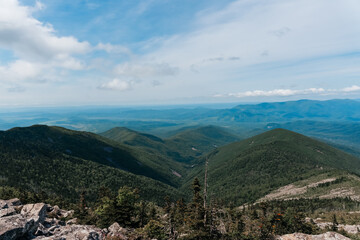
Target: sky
141,52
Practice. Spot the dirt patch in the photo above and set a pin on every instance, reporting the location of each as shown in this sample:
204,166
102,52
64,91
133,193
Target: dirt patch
176,173
291,190
342,192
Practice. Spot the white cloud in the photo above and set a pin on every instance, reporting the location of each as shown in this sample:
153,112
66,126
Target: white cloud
36,45
116,84
38,6
276,92
289,92
19,70
32,39
353,88
282,30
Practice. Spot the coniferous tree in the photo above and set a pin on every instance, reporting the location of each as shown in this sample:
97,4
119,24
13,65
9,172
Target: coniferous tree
334,226
196,214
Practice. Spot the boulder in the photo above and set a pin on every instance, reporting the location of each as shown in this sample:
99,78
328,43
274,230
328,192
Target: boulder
55,211
24,224
71,221
66,214
324,236
13,202
9,203
115,230
36,212
81,232
3,204
7,212
14,227
31,223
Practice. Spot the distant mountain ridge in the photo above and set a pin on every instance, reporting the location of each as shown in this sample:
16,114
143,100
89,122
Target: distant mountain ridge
341,109
184,146
163,120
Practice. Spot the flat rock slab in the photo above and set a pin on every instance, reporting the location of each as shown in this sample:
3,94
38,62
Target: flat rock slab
324,236
74,232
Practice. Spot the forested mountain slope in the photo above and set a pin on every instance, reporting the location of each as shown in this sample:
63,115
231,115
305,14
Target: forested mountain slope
247,170
66,162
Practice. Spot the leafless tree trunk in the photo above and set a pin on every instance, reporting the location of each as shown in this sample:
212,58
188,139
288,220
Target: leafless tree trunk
205,188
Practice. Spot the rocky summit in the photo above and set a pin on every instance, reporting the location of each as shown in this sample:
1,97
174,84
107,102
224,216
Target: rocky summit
45,222
42,221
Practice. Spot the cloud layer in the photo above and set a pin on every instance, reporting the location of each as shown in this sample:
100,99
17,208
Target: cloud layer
291,92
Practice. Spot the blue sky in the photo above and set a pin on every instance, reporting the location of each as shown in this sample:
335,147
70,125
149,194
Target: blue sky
86,52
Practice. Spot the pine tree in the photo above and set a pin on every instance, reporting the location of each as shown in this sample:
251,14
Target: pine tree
197,212
334,226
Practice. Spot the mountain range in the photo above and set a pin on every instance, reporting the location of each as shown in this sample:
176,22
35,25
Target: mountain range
66,163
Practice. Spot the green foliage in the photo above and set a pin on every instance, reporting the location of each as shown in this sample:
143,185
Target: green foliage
155,230
121,209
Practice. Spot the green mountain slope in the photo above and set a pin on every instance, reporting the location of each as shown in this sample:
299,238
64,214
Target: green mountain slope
64,162
150,143
245,171
343,135
184,146
195,142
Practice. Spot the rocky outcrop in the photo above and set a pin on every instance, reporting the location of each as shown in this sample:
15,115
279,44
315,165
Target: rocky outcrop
324,236
82,232
41,221
44,222
115,230
15,225
352,229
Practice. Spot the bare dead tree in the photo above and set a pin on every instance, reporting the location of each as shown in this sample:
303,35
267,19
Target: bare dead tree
205,188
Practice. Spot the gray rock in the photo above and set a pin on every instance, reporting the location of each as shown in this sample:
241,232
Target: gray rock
3,204
116,230
55,211
71,221
9,203
36,212
74,232
324,236
7,212
13,202
32,223
24,224
13,227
